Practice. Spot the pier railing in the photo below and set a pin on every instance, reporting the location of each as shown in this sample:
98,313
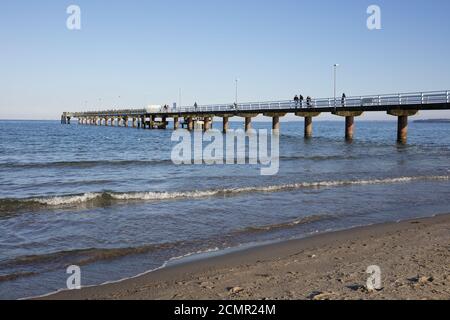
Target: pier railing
415,98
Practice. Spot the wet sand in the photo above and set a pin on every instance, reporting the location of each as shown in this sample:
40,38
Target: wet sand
414,257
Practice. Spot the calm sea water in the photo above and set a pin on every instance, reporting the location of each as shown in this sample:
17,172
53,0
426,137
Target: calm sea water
111,201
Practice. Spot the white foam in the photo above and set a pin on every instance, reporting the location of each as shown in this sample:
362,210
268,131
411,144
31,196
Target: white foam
64,200
159,196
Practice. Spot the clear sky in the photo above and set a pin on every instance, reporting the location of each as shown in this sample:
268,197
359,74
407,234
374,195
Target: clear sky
145,51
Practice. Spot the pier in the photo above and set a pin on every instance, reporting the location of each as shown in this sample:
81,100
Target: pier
402,106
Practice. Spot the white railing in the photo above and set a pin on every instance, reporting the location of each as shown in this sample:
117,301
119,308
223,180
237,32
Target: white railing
415,98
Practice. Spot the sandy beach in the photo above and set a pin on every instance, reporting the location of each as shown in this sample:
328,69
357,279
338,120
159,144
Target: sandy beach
414,258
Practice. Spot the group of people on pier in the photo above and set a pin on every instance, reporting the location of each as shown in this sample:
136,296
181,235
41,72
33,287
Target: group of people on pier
298,100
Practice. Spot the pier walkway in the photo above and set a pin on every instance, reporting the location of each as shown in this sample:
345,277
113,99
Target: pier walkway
401,106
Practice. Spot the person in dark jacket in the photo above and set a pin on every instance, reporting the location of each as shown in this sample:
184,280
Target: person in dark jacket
343,99
308,102
296,101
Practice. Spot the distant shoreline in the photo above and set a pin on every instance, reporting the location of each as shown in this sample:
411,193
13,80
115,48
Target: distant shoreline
433,121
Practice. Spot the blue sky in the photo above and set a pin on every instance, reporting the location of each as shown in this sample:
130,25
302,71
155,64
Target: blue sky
144,51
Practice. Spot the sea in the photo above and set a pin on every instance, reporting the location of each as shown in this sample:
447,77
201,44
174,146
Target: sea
112,202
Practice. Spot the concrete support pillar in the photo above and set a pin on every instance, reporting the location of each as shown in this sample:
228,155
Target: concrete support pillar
190,124
143,124
248,123
106,121
176,123
164,122
402,125
133,122
308,127
276,123
225,124
125,121
206,123
152,122
275,120
402,130
349,122
349,127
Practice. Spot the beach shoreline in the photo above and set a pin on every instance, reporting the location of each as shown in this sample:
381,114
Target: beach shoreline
413,257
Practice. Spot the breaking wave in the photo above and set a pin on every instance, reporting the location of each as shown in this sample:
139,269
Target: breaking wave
286,225
108,198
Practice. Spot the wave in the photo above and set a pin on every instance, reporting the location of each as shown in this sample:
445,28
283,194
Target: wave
108,198
178,249
82,164
321,158
286,225
81,256
17,275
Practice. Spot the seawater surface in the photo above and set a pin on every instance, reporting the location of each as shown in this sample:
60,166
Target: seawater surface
111,201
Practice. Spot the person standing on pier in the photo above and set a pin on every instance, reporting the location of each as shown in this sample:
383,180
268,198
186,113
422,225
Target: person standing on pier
343,100
301,101
308,102
195,106
296,101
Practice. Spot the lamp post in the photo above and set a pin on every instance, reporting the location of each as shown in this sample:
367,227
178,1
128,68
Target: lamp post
236,96
335,72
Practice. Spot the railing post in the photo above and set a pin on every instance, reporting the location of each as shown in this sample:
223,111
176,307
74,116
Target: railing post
399,99
379,100
448,96
422,101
